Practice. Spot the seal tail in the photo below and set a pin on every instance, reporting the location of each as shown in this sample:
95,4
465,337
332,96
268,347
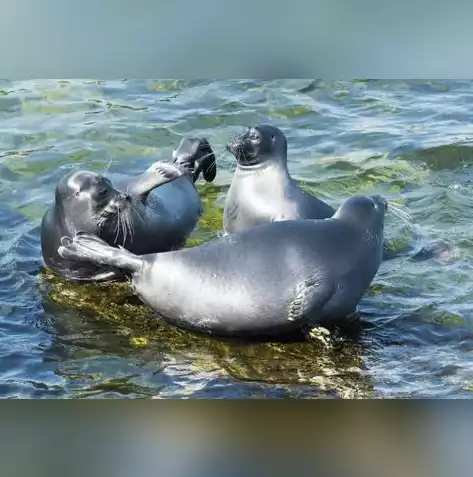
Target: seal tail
206,163
89,248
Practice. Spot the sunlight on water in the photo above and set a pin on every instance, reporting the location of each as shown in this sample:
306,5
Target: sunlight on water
410,142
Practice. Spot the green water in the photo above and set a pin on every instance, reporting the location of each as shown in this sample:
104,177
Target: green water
409,141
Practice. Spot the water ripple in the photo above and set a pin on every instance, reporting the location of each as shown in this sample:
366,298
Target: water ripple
409,140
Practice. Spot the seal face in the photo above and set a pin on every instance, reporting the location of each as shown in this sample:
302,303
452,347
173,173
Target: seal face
150,213
259,145
262,189
264,281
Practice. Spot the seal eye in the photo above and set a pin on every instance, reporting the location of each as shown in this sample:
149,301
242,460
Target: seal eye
103,193
78,193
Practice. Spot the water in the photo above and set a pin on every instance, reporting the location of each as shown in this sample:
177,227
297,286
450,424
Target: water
410,141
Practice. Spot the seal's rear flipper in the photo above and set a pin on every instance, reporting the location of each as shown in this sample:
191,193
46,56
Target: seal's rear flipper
158,174
196,155
92,249
441,250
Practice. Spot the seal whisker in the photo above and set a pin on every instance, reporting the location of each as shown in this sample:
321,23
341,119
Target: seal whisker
125,230
130,226
400,208
401,213
108,165
217,161
137,213
402,218
117,226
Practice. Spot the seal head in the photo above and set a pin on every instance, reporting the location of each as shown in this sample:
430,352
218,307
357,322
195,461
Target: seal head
263,144
91,199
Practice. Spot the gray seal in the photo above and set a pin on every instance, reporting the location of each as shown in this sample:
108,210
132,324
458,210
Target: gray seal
262,189
153,212
265,281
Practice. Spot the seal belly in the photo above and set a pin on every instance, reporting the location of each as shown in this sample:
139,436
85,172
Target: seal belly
208,293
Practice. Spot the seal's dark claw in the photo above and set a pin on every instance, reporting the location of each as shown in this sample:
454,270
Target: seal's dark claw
195,155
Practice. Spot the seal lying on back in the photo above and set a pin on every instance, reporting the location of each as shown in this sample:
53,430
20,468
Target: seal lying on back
268,280
154,212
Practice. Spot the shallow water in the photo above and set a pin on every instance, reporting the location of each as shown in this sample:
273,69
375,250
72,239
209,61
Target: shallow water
410,141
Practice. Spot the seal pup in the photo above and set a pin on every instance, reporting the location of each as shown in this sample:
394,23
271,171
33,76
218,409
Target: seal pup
153,212
264,281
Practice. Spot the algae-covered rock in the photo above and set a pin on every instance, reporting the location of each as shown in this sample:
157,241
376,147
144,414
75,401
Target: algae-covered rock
336,369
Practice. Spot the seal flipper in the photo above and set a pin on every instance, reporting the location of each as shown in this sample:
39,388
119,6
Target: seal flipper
196,155
158,174
308,300
441,250
92,249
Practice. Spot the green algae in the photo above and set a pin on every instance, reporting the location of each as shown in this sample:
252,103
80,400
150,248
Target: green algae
290,112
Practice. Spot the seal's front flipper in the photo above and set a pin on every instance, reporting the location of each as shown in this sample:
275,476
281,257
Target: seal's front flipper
158,174
196,156
92,249
309,299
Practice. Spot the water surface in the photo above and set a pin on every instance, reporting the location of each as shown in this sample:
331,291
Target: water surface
410,141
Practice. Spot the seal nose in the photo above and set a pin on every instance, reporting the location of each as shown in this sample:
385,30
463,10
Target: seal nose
120,200
379,200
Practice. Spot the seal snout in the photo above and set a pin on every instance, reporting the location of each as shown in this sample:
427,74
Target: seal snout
241,146
120,200
118,203
380,201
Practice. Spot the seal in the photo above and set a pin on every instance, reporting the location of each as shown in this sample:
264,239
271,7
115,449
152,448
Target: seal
153,212
262,189
265,281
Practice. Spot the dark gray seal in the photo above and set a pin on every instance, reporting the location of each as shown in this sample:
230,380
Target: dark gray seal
154,212
264,281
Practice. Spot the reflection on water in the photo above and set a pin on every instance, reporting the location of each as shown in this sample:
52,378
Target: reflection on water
410,141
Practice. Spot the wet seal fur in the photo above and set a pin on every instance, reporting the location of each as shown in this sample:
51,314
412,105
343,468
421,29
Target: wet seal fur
263,282
153,212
